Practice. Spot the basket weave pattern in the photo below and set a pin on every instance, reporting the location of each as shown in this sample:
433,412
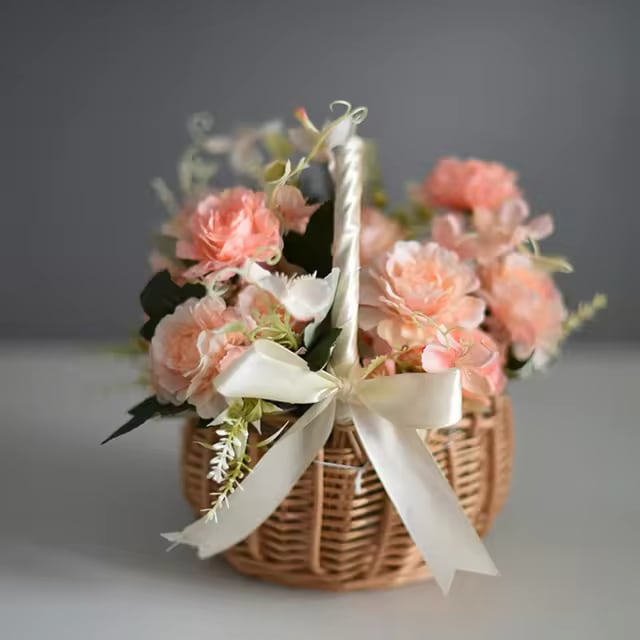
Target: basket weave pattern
328,535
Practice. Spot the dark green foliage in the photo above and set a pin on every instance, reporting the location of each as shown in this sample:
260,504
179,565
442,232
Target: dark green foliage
320,352
144,411
312,251
161,296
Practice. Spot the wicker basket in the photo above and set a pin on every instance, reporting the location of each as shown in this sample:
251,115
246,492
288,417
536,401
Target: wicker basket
328,535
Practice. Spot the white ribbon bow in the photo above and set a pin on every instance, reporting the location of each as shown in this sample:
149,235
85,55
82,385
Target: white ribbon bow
386,412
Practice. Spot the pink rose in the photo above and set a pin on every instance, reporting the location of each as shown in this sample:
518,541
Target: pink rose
412,290
293,208
467,184
227,228
525,304
377,235
188,351
474,353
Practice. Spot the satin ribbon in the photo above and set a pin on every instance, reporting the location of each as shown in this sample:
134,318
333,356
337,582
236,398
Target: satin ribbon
386,412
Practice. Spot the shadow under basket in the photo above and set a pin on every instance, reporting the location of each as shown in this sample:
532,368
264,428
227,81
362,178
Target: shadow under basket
337,529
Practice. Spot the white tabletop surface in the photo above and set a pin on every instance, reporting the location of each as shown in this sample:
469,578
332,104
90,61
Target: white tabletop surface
81,556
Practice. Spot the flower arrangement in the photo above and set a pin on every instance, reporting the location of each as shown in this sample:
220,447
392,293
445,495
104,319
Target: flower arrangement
452,281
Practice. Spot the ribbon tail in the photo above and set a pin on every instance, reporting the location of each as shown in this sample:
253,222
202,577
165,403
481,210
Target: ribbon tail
265,487
423,498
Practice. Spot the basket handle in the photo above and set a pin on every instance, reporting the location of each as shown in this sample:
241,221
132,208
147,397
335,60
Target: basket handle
348,178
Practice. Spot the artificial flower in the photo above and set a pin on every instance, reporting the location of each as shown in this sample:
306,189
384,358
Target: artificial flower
474,353
409,292
305,297
225,229
449,231
188,350
499,232
293,208
525,304
467,184
493,233
378,233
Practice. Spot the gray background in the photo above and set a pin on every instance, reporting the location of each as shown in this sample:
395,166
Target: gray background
95,95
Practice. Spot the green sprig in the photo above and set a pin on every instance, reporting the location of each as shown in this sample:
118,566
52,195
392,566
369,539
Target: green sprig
230,461
584,313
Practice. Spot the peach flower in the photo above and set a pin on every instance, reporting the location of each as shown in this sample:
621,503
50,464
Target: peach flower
412,290
449,231
467,184
500,232
253,302
496,232
524,303
474,353
188,350
377,235
227,228
293,208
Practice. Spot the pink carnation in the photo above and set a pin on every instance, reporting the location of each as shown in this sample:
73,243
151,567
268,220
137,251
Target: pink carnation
188,351
415,288
474,353
449,231
293,208
227,228
500,232
467,184
253,302
526,305
378,234
495,233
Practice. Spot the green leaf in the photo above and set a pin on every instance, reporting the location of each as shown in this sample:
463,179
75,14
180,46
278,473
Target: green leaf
319,354
144,411
312,251
161,296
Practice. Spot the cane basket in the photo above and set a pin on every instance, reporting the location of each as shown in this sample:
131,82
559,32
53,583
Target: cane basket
340,532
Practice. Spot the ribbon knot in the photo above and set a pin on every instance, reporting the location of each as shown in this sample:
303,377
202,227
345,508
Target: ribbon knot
346,388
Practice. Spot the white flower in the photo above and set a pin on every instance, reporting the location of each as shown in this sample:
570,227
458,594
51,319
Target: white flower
305,297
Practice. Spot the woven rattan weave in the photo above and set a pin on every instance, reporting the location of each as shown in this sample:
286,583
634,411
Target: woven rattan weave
328,535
